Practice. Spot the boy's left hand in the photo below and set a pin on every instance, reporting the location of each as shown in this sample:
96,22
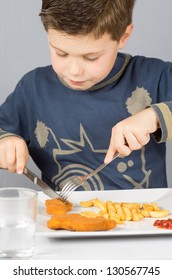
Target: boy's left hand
135,131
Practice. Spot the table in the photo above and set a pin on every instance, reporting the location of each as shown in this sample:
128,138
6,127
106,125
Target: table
107,248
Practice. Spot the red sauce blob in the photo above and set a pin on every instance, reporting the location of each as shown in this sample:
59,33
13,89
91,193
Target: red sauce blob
163,223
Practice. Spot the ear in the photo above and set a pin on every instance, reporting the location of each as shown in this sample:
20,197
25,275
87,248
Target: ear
124,38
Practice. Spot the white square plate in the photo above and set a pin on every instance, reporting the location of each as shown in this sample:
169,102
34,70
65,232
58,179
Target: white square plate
144,227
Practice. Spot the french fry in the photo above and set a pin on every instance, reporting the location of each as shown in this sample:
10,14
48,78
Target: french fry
89,214
147,207
158,214
144,213
110,207
155,206
112,212
116,205
88,203
131,205
121,213
136,216
116,218
127,213
104,214
100,204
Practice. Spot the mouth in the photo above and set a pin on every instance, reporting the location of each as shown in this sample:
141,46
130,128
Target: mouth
77,83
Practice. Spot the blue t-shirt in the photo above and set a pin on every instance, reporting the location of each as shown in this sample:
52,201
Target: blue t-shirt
68,131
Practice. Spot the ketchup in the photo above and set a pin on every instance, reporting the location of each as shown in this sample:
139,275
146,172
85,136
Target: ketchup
163,223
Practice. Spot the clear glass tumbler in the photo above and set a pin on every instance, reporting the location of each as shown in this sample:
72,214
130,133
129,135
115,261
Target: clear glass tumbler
18,209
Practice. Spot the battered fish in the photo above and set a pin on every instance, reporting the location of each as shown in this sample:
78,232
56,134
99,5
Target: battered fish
57,206
77,222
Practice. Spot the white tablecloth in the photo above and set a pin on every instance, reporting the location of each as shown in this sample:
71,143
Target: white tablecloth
113,248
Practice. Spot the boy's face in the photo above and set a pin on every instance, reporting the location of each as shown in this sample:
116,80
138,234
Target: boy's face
81,61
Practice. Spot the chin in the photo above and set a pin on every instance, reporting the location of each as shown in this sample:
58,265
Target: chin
80,87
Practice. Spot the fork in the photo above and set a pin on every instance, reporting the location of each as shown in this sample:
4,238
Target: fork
77,181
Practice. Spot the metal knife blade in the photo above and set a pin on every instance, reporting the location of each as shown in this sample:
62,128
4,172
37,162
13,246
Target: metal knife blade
37,181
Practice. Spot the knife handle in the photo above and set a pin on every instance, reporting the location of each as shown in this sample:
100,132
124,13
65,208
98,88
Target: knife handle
30,175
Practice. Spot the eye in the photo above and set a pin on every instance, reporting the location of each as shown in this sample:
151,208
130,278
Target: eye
90,58
61,54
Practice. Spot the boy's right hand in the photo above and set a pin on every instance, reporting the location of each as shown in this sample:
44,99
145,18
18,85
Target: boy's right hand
14,154
135,131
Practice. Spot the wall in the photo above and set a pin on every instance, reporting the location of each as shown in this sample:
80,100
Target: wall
23,46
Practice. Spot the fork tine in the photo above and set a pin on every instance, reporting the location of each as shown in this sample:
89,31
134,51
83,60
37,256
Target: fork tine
69,190
65,193
66,187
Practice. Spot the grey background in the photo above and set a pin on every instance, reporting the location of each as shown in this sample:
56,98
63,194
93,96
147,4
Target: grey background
23,46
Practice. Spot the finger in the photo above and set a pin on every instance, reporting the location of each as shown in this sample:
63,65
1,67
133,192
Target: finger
22,156
132,140
143,139
137,139
3,163
123,150
133,143
120,146
10,158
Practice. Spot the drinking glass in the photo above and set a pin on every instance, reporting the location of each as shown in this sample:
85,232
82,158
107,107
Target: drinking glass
18,208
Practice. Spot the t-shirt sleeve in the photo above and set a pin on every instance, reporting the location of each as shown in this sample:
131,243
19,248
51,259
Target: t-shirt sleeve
4,134
164,113
13,115
163,107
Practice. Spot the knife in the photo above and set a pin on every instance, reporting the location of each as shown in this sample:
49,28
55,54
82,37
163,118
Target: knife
37,181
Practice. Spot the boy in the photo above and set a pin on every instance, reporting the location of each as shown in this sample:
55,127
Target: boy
66,114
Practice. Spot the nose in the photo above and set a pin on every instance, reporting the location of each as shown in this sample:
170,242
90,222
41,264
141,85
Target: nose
75,68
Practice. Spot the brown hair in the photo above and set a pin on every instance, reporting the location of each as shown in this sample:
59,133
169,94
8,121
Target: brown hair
83,17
